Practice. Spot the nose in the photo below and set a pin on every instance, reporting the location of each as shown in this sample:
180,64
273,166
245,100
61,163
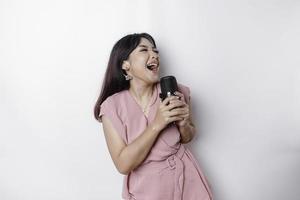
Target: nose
154,54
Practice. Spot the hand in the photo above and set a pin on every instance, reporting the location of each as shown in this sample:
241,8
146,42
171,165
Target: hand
185,114
169,110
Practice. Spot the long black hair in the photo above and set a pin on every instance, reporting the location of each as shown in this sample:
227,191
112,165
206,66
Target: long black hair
114,80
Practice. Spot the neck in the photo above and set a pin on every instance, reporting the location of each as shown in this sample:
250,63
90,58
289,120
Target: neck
142,92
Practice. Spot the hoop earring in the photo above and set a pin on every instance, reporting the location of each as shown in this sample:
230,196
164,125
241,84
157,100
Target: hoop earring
127,77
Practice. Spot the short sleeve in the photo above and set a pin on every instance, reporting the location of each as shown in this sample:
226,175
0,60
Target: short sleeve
186,92
109,109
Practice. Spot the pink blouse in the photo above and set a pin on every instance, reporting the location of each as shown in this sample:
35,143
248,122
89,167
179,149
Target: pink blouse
170,171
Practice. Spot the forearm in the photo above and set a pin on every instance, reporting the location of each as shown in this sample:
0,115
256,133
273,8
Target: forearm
187,132
135,152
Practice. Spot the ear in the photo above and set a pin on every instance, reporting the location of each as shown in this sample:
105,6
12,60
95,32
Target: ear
125,65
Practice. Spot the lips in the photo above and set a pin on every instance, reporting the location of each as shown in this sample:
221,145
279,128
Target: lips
152,66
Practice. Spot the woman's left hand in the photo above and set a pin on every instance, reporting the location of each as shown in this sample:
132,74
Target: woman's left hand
185,114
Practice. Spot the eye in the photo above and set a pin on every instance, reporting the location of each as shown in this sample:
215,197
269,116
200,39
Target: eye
154,50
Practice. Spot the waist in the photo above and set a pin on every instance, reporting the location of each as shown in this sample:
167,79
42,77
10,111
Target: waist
158,165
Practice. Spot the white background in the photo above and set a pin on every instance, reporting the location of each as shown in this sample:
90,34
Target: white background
240,59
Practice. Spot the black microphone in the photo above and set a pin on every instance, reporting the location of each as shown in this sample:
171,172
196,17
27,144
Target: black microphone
168,86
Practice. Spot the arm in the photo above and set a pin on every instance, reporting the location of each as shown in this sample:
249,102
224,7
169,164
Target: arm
186,126
187,129
128,157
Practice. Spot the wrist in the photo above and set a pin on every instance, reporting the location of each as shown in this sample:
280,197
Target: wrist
155,128
184,123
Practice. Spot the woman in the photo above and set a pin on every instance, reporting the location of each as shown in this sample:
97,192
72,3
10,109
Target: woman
144,135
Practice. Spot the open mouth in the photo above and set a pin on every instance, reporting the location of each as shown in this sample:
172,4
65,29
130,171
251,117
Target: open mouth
152,67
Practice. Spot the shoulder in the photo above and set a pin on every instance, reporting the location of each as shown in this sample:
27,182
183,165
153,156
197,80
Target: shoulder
183,88
114,99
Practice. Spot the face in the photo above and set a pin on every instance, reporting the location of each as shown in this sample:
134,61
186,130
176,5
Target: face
143,63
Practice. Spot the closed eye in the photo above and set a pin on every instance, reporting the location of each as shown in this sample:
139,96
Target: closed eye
156,51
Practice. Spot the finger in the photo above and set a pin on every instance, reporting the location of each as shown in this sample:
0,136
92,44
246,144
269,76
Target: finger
173,119
176,104
180,95
177,111
176,101
166,100
185,116
177,93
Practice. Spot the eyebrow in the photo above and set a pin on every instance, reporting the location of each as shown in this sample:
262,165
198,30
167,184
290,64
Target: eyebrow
146,46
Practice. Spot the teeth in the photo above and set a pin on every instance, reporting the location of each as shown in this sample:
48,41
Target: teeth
152,66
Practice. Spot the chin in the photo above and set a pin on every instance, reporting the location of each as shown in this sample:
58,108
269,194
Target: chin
156,79
153,81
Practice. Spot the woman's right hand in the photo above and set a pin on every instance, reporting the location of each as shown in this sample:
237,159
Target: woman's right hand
168,111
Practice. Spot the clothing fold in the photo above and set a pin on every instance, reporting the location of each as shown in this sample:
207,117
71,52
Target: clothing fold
170,171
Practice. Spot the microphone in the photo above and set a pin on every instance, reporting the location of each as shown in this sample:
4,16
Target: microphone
168,86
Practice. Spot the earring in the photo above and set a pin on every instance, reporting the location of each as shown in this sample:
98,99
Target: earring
127,77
